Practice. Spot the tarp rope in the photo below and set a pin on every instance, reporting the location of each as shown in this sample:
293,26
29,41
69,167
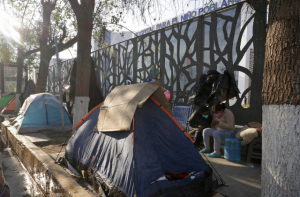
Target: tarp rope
214,169
62,146
71,133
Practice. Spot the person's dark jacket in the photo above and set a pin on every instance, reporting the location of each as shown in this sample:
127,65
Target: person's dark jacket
197,119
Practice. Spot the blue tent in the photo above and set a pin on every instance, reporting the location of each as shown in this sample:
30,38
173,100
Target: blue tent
154,158
41,111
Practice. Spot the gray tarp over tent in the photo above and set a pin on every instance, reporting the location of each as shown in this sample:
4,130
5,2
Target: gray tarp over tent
139,160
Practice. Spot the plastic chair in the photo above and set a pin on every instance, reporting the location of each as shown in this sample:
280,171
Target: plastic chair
182,115
251,154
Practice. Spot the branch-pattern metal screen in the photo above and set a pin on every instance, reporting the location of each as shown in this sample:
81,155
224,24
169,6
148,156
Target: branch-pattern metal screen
53,79
220,40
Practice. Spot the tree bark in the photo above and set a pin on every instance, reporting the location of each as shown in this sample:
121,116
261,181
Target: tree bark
47,50
281,98
20,64
83,58
45,57
21,56
281,72
43,73
84,16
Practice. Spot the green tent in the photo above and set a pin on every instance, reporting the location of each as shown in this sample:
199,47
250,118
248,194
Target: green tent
4,100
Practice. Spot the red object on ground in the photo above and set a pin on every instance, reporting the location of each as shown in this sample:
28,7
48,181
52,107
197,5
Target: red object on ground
181,176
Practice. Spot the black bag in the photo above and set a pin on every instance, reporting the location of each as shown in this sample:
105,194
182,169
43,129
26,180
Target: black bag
214,88
203,87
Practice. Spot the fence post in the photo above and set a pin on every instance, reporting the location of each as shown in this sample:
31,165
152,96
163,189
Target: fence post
53,83
162,57
2,77
134,59
114,65
59,66
200,44
49,81
100,71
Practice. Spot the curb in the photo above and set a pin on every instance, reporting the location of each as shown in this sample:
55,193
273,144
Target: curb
52,179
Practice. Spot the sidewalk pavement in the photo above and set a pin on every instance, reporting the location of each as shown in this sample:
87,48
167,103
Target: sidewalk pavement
243,180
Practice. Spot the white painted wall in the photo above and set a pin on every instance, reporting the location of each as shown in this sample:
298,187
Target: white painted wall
280,151
80,109
115,38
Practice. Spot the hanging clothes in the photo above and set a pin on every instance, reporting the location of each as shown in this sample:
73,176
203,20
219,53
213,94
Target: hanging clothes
213,88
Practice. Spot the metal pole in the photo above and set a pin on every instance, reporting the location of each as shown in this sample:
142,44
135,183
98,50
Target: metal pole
1,78
53,82
59,83
49,81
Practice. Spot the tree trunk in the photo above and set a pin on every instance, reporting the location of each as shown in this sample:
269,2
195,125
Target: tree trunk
43,73
85,27
20,64
45,56
84,15
281,98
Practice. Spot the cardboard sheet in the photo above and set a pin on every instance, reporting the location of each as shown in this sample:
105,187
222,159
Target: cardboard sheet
118,109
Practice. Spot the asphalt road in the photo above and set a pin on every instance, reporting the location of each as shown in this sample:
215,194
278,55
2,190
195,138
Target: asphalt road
17,178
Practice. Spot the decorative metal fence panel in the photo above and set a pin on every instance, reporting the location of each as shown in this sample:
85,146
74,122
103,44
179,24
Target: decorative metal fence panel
53,79
178,55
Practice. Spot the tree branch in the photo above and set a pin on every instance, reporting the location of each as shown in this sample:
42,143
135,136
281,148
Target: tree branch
30,52
64,35
97,9
24,12
75,6
63,46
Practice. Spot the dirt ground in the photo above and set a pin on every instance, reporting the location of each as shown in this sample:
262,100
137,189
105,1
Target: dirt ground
58,143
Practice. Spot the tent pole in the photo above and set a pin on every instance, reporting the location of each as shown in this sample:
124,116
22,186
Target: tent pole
59,84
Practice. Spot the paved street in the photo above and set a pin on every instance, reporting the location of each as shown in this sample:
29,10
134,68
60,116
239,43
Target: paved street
18,179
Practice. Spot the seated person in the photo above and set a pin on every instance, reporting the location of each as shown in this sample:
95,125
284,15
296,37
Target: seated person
199,120
222,125
193,122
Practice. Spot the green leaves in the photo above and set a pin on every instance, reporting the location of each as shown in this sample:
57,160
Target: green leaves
115,20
